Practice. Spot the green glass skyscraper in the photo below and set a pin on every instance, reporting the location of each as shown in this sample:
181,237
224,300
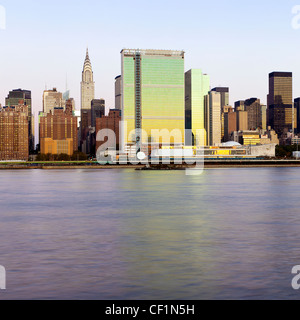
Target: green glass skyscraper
152,93
197,86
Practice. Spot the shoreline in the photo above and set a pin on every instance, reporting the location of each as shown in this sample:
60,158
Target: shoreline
208,165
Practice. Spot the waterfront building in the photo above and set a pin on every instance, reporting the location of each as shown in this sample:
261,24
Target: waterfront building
239,105
52,99
87,84
118,92
242,120
58,132
230,124
97,110
280,102
297,113
110,122
153,93
14,132
254,110
13,99
213,118
197,86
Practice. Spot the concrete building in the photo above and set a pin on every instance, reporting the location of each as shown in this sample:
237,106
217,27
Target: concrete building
213,118
24,96
97,110
197,86
14,133
242,121
58,132
52,99
239,105
87,84
230,124
110,122
254,109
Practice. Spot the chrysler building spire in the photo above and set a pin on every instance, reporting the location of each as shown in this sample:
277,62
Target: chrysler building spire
87,83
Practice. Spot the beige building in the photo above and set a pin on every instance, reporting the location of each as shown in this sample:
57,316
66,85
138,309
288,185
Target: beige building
242,120
213,123
87,84
52,99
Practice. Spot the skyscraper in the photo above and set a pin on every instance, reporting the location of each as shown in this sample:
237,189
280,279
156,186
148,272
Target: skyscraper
213,118
98,110
52,99
13,99
280,101
14,133
254,109
152,93
197,86
118,92
87,84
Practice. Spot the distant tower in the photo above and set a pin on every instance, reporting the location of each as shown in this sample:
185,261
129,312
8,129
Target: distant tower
87,84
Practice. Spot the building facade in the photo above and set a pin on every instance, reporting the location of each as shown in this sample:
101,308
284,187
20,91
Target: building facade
118,92
14,133
213,114
97,110
58,132
254,109
153,93
87,84
280,101
52,99
197,86
24,96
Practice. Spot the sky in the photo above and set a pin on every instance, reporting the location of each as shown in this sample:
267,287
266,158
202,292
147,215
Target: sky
238,43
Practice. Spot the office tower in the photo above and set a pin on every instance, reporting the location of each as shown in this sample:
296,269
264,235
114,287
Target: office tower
239,105
152,94
98,110
58,132
264,117
230,124
197,86
52,99
224,91
87,84
14,133
213,118
110,122
13,99
254,109
70,104
242,121
280,101
118,92
297,112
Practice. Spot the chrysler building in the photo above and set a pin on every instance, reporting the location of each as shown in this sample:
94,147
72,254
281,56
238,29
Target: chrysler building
87,84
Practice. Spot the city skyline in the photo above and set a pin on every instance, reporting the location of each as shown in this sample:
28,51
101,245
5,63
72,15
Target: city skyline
225,62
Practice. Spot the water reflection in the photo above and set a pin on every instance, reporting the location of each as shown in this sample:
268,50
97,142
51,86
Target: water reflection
122,234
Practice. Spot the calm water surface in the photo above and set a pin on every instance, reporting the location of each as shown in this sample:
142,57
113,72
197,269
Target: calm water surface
124,234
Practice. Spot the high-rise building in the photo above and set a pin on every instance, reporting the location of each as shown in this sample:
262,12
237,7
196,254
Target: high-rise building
197,86
213,118
13,99
52,99
152,94
14,133
254,109
297,112
280,101
118,92
239,105
242,121
87,84
110,122
58,132
98,110
264,117
230,123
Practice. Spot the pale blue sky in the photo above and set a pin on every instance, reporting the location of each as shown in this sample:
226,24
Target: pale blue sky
236,42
